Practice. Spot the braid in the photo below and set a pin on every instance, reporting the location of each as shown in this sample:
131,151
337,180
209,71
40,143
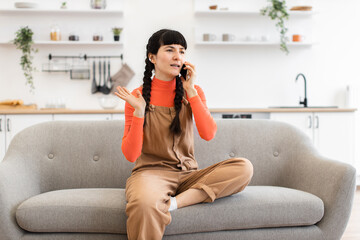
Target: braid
175,125
146,91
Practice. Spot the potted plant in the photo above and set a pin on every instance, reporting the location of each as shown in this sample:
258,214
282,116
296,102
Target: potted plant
23,41
277,11
116,31
63,5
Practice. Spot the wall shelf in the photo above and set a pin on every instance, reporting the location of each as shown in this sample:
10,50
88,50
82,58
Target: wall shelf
61,11
202,43
246,13
71,43
246,26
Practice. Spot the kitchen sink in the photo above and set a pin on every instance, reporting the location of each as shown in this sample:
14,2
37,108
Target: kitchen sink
304,107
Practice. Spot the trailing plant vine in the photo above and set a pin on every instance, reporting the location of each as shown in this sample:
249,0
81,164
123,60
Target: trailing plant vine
277,11
23,41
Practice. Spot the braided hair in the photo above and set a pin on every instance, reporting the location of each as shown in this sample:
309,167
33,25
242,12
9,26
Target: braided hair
158,39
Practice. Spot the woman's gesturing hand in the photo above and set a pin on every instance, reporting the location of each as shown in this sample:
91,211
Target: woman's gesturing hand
188,83
138,103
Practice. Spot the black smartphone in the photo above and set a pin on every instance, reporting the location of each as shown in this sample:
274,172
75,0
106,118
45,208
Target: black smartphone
183,72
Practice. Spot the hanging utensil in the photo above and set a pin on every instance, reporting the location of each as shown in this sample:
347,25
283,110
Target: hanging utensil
99,74
109,81
103,88
104,73
94,87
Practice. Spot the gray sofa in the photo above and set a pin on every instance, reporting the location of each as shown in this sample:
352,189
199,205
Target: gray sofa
66,180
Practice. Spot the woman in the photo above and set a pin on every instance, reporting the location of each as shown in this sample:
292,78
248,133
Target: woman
158,135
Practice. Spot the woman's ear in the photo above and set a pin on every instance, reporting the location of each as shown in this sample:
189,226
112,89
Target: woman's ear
151,58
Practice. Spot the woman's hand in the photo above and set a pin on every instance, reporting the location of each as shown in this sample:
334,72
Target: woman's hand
138,103
188,83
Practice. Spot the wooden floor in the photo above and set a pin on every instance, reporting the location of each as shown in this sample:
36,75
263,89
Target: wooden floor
352,231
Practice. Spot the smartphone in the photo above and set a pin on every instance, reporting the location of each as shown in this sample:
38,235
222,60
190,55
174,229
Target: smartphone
183,71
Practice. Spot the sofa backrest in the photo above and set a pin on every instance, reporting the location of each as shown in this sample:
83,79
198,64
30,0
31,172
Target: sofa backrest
87,154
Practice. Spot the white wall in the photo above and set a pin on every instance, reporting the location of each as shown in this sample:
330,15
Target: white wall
238,76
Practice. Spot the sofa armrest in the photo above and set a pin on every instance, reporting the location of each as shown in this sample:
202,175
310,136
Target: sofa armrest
18,181
332,181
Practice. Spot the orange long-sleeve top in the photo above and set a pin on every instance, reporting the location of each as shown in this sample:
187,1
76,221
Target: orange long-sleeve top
163,94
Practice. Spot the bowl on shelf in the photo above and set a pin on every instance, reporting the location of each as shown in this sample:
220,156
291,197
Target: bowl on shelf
25,5
108,101
213,7
301,8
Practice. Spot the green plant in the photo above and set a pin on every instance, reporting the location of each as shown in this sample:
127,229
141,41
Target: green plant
117,31
23,41
277,11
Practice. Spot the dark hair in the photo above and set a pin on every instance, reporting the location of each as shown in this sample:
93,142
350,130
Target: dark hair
158,39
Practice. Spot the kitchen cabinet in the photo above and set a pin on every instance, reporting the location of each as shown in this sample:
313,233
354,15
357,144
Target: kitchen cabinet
2,137
81,117
118,116
333,134
12,124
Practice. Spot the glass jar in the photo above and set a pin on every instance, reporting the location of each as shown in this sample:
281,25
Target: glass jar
97,37
73,37
98,4
55,34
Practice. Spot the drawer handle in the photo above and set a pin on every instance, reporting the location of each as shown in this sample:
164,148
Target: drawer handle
317,122
8,125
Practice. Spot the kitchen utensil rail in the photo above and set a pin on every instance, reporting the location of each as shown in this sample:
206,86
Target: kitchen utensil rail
86,56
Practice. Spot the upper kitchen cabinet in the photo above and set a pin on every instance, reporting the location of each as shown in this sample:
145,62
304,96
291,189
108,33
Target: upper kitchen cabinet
77,22
237,23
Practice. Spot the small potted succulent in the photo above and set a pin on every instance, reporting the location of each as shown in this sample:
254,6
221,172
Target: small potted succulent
117,31
63,5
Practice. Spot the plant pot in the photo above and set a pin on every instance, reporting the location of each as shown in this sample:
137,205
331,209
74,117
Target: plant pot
117,38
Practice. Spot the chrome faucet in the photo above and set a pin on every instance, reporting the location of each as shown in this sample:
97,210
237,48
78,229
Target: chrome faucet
305,98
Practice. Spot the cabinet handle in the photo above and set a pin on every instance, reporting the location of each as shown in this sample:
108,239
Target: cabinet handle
317,122
310,121
8,125
0,124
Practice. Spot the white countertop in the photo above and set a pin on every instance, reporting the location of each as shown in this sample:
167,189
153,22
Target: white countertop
212,110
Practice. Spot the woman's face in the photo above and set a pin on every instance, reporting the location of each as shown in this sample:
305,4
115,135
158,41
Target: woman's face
168,61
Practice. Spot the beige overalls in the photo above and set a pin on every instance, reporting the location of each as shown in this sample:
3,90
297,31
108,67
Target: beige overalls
167,167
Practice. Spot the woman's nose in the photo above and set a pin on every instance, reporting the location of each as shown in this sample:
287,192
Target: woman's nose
176,55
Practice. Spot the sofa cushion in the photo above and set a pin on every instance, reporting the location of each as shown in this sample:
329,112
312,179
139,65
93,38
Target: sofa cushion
100,210
103,211
255,207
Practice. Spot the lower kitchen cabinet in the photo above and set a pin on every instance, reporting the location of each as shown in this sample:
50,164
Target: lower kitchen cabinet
12,124
333,134
2,137
81,117
118,116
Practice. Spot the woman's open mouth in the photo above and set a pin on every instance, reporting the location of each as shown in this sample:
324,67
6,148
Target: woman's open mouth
175,66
